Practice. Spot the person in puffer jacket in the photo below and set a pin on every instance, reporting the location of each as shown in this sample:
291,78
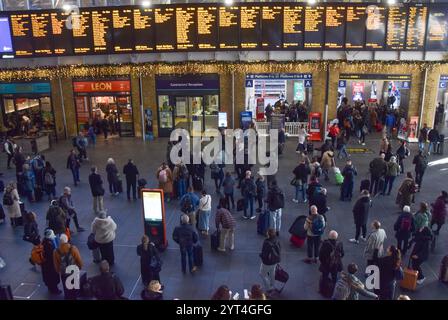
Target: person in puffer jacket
349,287
103,227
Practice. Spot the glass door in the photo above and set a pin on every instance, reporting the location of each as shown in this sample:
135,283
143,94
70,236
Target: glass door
181,113
125,119
196,110
165,115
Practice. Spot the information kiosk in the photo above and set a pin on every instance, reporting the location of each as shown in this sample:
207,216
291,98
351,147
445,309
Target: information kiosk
154,217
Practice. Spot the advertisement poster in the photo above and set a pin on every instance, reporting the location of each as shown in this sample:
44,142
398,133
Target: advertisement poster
299,91
358,91
412,134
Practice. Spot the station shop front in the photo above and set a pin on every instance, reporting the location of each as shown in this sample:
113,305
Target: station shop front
104,99
27,108
376,90
186,102
273,89
441,105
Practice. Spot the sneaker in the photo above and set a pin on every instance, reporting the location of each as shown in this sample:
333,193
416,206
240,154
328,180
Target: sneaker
354,241
421,281
363,239
305,201
117,193
295,200
252,218
245,218
220,249
194,269
232,248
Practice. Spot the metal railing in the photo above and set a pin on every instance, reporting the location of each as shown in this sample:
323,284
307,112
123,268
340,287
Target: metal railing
291,128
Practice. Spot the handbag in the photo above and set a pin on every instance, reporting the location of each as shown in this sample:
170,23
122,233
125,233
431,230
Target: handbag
91,243
155,263
296,182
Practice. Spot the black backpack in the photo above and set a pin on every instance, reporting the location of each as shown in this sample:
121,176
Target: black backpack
277,200
187,205
7,199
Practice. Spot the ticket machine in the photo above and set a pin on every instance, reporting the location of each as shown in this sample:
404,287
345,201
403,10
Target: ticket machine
154,217
315,126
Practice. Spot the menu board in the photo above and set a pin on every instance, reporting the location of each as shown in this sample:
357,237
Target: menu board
61,34
143,21
375,27
335,27
396,28
122,30
41,32
415,35
21,34
437,33
228,28
186,28
165,24
102,31
271,32
5,36
355,26
207,27
314,27
293,27
82,32
250,27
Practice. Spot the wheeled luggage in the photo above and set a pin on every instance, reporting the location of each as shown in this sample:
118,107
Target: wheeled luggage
365,185
326,287
281,276
410,276
214,240
198,255
296,241
240,205
263,223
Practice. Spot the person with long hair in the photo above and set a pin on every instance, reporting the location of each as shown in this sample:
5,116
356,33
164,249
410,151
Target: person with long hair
50,180
406,191
222,293
439,211
150,263
11,204
390,272
256,293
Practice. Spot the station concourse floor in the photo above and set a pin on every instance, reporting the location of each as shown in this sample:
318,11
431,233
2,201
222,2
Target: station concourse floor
237,269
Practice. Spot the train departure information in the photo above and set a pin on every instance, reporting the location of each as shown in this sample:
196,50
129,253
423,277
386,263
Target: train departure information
207,27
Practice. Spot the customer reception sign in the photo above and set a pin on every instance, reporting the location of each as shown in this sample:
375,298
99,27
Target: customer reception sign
188,82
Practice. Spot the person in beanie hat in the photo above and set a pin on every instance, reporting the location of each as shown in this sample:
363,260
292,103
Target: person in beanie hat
49,275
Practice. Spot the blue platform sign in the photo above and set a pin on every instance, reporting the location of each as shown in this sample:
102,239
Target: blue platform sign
245,119
342,84
405,85
249,83
443,82
308,83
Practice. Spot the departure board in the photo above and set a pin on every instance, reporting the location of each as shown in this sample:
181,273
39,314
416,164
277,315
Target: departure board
207,27
165,24
415,35
314,27
122,30
143,21
293,27
250,27
437,34
229,28
335,27
355,27
41,31
102,30
271,22
396,28
376,27
61,34
22,34
82,32
5,35
186,28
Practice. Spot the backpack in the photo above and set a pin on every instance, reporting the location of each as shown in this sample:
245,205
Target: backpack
187,205
37,254
183,173
163,177
75,141
270,256
48,178
318,225
317,190
406,224
342,290
214,169
277,200
66,260
7,199
335,256
37,164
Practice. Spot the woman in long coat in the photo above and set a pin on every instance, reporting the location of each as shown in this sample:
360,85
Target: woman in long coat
13,210
147,250
406,191
49,274
112,176
165,180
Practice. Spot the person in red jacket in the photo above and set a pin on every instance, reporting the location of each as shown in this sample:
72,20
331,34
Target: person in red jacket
439,211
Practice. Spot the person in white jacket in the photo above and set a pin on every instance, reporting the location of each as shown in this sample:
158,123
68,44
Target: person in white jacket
204,211
302,134
375,243
103,227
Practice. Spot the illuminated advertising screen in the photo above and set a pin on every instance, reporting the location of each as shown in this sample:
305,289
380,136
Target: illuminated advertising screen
152,205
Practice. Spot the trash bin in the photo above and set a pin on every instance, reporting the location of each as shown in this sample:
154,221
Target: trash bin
440,144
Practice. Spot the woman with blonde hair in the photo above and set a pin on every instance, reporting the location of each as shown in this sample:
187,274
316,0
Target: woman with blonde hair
150,263
256,293
153,291
112,177
11,203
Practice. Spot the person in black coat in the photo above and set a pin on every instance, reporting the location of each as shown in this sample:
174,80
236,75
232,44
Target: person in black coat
49,275
420,252
361,215
421,163
402,153
404,227
150,263
112,176
320,201
96,187
349,172
330,256
390,273
31,230
131,173
107,285
313,188
261,192
186,237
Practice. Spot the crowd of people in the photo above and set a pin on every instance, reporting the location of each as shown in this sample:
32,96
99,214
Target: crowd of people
184,185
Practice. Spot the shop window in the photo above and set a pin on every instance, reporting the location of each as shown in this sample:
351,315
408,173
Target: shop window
211,110
165,112
9,105
47,114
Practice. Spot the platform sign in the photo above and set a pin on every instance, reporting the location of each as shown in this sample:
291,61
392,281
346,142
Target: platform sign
154,217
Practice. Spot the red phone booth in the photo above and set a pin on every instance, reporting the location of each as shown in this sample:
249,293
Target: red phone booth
315,126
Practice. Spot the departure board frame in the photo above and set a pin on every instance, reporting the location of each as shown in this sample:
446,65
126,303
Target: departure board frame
419,36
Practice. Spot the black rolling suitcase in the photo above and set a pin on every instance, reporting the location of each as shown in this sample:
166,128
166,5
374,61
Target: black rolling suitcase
141,183
38,193
198,255
214,240
365,185
197,183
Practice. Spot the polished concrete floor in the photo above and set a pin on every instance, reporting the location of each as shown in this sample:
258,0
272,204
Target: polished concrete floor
238,269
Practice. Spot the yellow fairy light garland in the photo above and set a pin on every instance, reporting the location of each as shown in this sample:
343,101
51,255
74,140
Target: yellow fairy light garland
149,69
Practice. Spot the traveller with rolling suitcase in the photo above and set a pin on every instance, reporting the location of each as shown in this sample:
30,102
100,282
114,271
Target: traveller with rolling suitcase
270,258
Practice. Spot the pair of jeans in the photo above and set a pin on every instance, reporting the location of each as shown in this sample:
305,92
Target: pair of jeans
260,201
421,146
347,190
107,252
301,189
204,220
275,219
98,204
267,274
342,150
75,174
229,198
419,178
113,187
249,204
417,265
131,184
71,214
432,147
181,187
10,156
401,163
218,183
313,244
226,235
93,139
402,244
389,181
360,227
186,253
374,182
